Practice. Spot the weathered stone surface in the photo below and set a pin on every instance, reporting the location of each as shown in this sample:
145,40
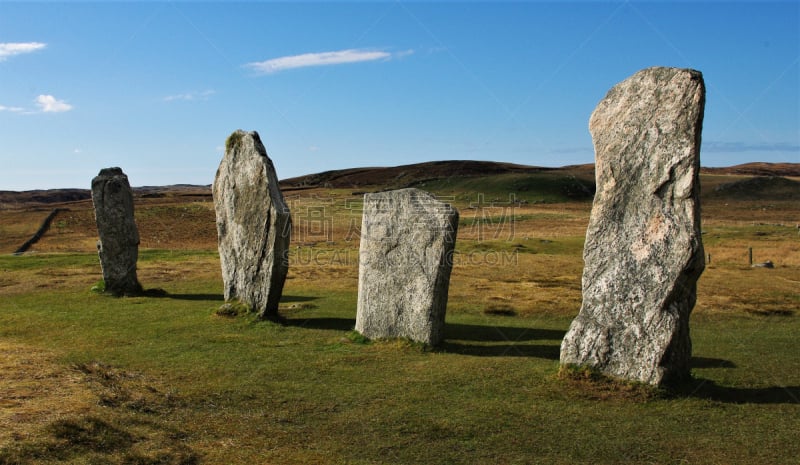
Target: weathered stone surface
405,258
118,246
643,252
253,225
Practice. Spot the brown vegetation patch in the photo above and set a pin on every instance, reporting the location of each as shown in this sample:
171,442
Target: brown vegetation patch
35,391
587,383
88,413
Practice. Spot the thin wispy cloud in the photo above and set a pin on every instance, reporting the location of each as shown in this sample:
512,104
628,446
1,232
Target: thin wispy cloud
50,104
190,96
719,146
9,49
11,109
339,57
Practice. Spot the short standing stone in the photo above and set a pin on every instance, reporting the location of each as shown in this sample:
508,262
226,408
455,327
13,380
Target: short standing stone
643,252
253,225
118,246
407,241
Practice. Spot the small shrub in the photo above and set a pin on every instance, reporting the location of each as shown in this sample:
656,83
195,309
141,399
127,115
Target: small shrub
232,309
358,338
581,372
233,141
99,287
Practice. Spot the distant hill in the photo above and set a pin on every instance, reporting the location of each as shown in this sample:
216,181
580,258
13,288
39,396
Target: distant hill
758,188
44,196
407,175
758,169
748,181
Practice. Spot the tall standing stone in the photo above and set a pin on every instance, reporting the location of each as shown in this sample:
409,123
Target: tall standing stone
643,252
405,258
118,246
253,225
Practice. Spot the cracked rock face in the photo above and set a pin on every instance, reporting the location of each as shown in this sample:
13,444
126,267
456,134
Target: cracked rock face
118,246
405,258
643,252
253,225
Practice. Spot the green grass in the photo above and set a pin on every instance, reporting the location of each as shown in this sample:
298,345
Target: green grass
530,245
177,384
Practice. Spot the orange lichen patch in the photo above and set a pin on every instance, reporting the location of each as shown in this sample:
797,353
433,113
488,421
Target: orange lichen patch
35,391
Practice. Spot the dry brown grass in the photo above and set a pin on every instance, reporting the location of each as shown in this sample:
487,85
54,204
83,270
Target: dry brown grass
51,413
36,390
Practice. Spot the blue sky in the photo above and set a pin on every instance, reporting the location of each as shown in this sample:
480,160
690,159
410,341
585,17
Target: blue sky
156,87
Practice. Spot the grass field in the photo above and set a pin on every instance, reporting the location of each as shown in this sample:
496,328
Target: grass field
90,379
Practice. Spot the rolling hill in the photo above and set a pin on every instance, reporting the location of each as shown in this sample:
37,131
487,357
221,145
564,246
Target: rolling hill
754,181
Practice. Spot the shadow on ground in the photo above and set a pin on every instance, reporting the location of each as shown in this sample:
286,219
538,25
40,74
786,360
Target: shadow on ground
161,293
549,352
331,324
472,340
708,362
287,299
198,297
488,333
708,389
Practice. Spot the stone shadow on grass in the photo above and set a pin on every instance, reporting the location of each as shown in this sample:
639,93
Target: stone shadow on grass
708,362
297,298
325,323
512,338
549,352
199,297
707,389
161,293
489,333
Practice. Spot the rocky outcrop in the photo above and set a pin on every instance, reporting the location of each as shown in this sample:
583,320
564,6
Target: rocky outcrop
405,258
253,225
643,252
118,246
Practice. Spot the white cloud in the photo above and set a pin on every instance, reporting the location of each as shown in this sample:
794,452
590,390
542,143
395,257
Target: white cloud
50,104
8,49
321,59
11,109
204,95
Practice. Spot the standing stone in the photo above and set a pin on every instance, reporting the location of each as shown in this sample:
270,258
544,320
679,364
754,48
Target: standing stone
118,246
643,252
406,253
253,225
